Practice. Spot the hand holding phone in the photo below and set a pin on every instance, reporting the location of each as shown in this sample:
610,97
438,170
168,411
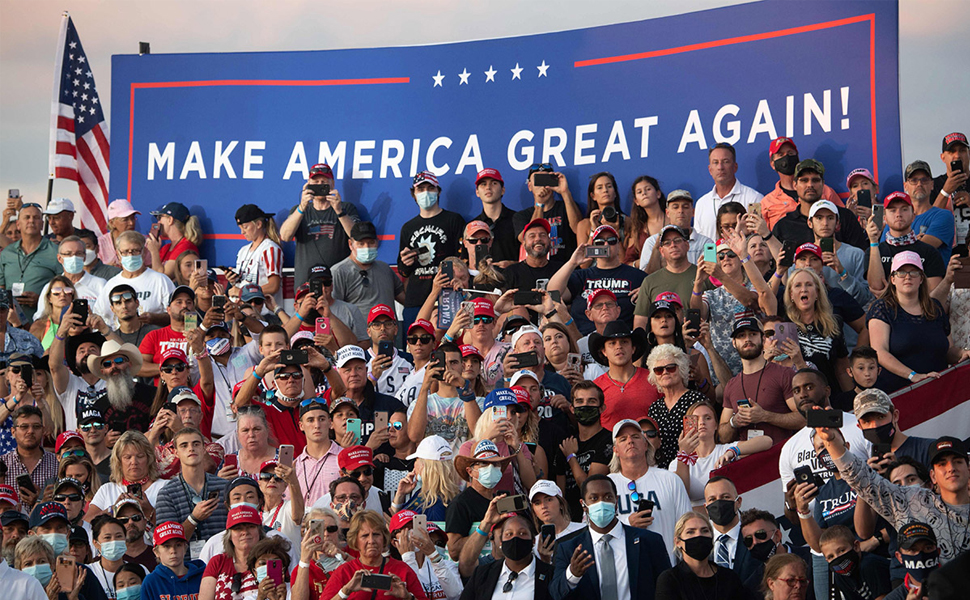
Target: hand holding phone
286,455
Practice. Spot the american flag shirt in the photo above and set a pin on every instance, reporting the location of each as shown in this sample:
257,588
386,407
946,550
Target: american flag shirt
257,265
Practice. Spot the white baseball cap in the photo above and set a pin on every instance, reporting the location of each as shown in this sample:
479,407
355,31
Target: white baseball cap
58,205
623,423
349,353
823,205
433,447
544,486
525,331
523,373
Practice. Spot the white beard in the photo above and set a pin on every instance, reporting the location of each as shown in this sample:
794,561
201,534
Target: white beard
120,388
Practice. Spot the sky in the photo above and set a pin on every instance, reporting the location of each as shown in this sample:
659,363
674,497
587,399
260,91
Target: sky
932,65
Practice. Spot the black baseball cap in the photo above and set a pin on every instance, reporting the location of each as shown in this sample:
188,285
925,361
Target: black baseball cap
13,516
911,533
746,324
363,230
321,272
947,445
250,212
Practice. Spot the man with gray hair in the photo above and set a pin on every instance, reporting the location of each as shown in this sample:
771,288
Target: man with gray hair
70,254
127,403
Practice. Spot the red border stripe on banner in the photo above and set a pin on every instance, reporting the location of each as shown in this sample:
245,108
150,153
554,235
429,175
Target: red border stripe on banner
238,236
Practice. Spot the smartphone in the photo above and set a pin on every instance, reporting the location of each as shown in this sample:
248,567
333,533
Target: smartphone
420,522
755,208
556,296
744,402
230,460
294,357
353,425
274,570
468,307
694,319
526,359
597,251
804,474
66,571
319,189
500,413
322,326
827,244
316,287
790,248
547,531
202,265
956,166
134,489
510,504
213,495
191,321
119,425
540,179
448,269
422,250
877,213
13,193
27,374
286,455
481,254
864,198
879,449
375,581
318,526
219,302
825,417
690,423
526,298
710,253
439,359
171,406
644,504
380,421
785,331
575,361
26,482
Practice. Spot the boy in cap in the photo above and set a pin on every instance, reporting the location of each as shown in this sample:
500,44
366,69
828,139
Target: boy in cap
917,552
361,279
845,265
490,188
858,575
174,577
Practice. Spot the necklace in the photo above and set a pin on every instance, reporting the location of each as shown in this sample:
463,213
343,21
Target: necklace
622,386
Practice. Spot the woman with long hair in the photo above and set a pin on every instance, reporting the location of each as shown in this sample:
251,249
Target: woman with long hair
727,218
819,329
81,468
38,394
183,231
908,329
134,475
433,483
695,576
185,267
559,345
260,262
60,294
600,194
647,217
471,369
669,368
231,572
549,508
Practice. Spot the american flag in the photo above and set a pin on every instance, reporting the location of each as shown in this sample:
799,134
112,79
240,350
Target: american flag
79,148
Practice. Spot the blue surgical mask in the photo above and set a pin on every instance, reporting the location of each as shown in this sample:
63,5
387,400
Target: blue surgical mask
602,514
41,573
366,255
489,476
329,563
249,504
261,573
58,542
113,550
131,263
426,199
73,264
132,592
417,481
218,346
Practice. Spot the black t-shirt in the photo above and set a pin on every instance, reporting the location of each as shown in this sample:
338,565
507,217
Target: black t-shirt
597,449
523,277
621,280
961,214
505,242
823,352
869,581
388,474
320,239
563,237
465,512
794,227
933,264
137,416
440,235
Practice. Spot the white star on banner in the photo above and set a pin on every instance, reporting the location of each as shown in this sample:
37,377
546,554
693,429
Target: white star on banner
73,45
463,76
438,79
81,59
87,86
84,96
490,74
76,82
80,119
542,69
517,72
78,71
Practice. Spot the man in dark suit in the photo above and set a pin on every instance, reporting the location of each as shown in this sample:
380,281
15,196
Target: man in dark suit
607,560
723,506
521,576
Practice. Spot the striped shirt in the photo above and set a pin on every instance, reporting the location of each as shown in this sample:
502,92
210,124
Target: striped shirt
177,499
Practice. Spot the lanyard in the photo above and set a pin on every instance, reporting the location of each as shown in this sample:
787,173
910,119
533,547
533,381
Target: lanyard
108,587
323,462
276,513
190,497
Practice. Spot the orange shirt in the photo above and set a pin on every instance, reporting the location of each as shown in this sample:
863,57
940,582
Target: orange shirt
776,204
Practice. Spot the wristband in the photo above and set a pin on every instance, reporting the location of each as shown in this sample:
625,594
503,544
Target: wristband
693,293
479,531
550,314
341,593
569,322
304,565
737,452
871,245
395,506
843,273
299,210
300,317
745,260
329,367
192,520
804,516
570,457
59,338
777,274
435,557
945,193
257,377
731,422
911,375
448,338
770,235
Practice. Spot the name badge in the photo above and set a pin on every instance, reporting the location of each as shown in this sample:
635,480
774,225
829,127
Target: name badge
195,548
753,433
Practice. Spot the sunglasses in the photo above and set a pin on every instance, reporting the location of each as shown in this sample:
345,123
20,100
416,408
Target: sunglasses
669,368
68,497
332,528
62,292
635,496
650,433
132,518
769,333
122,297
761,535
74,452
310,401
118,360
288,376
484,319
19,369
269,476
365,472
416,339
723,255
364,280
479,241
396,425
532,169
612,241
169,369
89,426
250,408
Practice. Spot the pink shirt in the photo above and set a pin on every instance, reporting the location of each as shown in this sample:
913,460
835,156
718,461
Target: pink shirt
315,474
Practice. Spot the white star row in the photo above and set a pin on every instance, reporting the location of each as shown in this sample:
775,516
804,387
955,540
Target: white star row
489,74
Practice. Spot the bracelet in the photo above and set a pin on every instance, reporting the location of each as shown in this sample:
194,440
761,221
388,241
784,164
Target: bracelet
341,215
737,452
745,260
550,314
777,274
479,531
304,565
731,422
435,557
448,338
843,273
871,245
59,338
328,369
256,376
911,375
570,457
396,506
299,210
341,593
945,193
693,293
770,235
804,516
569,322
300,317
192,520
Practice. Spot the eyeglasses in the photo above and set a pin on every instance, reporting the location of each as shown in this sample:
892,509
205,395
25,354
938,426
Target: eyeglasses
479,241
122,297
483,319
288,376
89,426
250,408
612,241
723,255
118,360
386,324
26,427
169,369
132,518
920,180
635,496
671,242
793,582
129,252
508,584
761,535
269,476
604,306
422,339
396,425
30,205
668,368
908,274
74,452
68,497
355,498
364,472
363,275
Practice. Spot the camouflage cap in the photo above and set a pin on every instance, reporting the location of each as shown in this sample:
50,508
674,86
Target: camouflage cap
809,164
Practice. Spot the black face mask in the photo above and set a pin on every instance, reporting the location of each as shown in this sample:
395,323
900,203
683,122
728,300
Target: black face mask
846,563
516,549
721,512
786,164
880,435
762,551
919,566
587,415
698,547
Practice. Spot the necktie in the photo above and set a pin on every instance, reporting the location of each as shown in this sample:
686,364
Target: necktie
722,558
607,569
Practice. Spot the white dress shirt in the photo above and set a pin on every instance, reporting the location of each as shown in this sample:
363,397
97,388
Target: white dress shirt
524,586
695,248
705,210
20,585
618,545
734,536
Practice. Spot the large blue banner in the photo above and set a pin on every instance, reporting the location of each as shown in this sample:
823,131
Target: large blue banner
651,97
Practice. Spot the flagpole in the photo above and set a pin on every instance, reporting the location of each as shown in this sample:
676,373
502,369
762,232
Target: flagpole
55,101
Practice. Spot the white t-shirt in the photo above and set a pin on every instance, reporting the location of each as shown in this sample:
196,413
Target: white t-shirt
668,494
393,377
411,386
241,359
69,399
591,368
257,265
700,472
89,288
152,288
695,249
282,520
798,450
107,494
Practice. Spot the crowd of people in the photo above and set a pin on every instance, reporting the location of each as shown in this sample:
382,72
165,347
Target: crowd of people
533,404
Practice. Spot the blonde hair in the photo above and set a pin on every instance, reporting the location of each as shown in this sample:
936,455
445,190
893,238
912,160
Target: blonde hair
139,441
318,512
484,424
438,482
272,231
825,321
29,546
664,353
191,229
682,524
368,517
651,455
94,481
47,297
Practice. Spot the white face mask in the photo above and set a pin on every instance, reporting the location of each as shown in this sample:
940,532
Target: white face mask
426,199
89,257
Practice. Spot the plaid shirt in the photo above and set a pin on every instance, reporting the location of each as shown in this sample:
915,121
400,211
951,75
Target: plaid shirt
174,503
45,470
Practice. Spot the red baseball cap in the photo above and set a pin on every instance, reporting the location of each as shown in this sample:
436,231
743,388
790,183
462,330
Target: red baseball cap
423,324
521,395
169,530
66,437
484,307
174,352
9,494
469,350
401,518
809,247
321,169
380,310
671,297
241,515
596,294
489,174
474,227
897,196
355,457
538,223
604,229
267,464
777,143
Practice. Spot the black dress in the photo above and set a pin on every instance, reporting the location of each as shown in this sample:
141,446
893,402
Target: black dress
680,583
